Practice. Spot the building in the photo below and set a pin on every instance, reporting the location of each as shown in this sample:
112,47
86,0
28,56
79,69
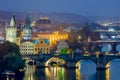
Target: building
52,37
43,25
27,30
62,44
42,46
11,30
44,29
26,47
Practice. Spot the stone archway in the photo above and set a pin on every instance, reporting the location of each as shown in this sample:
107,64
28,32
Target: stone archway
29,61
109,62
54,61
78,62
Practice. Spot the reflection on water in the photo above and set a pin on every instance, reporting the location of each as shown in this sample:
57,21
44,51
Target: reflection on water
55,73
115,70
29,73
87,71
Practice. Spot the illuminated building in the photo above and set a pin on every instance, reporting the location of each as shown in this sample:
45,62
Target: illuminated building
44,29
43,25
27,30
26,47
26,36
41,46
2,38
11,30
62,44
52,37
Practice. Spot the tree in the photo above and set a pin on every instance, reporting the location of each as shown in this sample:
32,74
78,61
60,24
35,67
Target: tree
63,51
72,39
95,36
96,47
12,60
12,47
85,32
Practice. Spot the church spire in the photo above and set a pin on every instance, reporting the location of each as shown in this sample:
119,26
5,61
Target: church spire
12,22
28,22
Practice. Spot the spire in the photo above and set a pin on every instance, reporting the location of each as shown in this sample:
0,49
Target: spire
12,22
28,20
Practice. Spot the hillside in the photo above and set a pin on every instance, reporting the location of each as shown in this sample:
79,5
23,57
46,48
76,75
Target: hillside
56,18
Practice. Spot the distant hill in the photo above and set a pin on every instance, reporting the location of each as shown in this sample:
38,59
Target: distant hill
55,17
105,19
68,18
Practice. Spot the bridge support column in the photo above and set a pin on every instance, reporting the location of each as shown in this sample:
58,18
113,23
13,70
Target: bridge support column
101,63
101,66
40,64
101,75
70,65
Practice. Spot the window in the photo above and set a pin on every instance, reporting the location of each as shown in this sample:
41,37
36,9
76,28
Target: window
41,41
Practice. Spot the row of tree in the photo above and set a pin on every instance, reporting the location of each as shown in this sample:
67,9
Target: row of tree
79,39
10,58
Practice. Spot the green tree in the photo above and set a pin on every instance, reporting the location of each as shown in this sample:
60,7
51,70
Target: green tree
63,51
12,60
12,47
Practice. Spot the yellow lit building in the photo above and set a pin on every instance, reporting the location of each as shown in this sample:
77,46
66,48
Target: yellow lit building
52,37
41,46
43,32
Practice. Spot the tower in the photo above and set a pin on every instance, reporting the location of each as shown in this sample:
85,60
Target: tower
11,30
27,29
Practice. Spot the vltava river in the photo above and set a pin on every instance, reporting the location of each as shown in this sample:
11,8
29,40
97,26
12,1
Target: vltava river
86,71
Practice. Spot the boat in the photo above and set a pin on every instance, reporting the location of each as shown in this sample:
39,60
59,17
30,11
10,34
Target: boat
8,73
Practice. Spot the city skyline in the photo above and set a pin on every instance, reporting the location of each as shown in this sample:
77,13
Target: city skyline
81,7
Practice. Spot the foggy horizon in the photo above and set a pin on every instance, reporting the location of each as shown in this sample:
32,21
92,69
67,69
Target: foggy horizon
80,7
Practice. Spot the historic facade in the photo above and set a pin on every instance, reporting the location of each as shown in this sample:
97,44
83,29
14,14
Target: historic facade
52,37
11,30
27,34
42,46
43,25
26,47
32,40
62,44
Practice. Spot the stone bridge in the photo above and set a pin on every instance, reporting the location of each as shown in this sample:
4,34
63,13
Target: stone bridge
71,59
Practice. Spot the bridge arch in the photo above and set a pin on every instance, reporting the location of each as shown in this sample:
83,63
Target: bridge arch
55,61
110,61
84,59
29,60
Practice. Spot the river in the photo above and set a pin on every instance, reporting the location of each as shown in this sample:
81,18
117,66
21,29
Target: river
86,71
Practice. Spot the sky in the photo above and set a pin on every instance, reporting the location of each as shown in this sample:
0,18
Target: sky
82,7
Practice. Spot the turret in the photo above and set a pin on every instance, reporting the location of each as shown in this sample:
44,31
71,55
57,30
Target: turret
11,30
27,29
12,22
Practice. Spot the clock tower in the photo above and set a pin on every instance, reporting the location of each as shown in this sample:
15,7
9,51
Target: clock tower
27,30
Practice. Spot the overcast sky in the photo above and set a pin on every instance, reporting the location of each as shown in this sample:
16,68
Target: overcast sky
82,7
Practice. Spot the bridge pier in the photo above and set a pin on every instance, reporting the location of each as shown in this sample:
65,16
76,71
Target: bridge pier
101,66
101,62
40,64
70,65
101,75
